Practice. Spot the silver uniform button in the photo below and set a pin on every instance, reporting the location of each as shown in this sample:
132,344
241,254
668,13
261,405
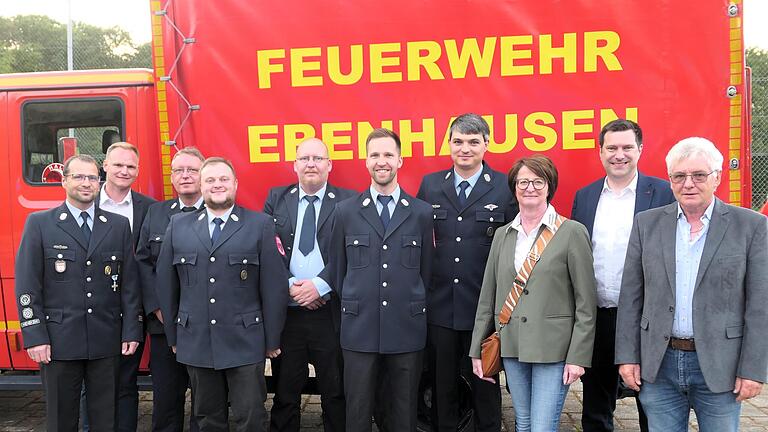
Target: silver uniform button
88,295
213,300
490,219
212,280
90,310
459,218
213,321
457,259
157,238
213,259
88,263
423,309
384,284
59,256
384,247
183,260
88,279
384,265
384,303
245,261
413,242
113,257
456,281
458,239
355,242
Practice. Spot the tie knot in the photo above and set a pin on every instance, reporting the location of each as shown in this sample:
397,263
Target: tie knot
84,216
384,199
218,221
187,209
310,198
463,185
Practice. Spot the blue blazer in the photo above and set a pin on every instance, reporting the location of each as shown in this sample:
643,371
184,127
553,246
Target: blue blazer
652,192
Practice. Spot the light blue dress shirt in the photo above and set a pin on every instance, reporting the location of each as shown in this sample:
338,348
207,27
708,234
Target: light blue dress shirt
392,204
687,257
308,267
75,212
472,181
211,217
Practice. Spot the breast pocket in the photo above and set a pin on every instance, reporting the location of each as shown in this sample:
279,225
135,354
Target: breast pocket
410,254
113,267
358,249
185,268
155,242
488,221
246,266
60,264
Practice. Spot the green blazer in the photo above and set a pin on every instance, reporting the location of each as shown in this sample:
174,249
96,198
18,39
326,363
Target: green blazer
555,317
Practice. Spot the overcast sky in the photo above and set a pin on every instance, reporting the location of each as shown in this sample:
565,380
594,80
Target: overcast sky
133,15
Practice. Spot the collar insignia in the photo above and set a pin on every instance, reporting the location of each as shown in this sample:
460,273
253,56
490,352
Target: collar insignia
175,203
234,217
404,202
63,216
202,215
293,190
487,177
102,218
448,174
366,202
331,195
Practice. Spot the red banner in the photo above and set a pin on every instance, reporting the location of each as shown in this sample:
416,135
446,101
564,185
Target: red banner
546,75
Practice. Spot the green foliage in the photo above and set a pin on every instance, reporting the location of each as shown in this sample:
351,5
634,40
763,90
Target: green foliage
35,43
757,59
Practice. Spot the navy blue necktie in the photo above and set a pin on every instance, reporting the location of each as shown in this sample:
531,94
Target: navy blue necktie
463,193
187,209
86,229
307,236
384,200
216,230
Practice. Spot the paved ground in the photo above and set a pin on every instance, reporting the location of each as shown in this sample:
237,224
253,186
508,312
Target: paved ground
23,411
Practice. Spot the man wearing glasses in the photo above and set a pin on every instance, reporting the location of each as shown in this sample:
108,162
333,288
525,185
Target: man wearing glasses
169,378
78,297
691,319
607,208
303,213
121,166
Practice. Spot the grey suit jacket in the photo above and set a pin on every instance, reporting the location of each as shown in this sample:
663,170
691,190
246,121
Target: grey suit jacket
729,300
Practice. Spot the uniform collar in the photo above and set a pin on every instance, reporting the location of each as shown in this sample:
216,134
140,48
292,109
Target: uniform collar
319,194
395,194
75,212
471,180
224,217
196,205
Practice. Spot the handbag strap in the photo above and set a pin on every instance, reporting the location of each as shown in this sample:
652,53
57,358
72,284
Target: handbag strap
521,278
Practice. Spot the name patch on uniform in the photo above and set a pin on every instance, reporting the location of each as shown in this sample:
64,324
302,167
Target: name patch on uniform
60,247
30,322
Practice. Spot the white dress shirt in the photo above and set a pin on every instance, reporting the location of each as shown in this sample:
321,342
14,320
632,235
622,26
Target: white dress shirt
123,208
525,241
610,238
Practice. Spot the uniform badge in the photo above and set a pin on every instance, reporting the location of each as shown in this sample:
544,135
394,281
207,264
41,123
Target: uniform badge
404,202
487,177
114,282
293,190
27,313
25,299
63,216
107,270
243,275
234,217
60,266
366,202
489,232
102,218
435,205
448,174
202,215
491,207
331,195
279,248
174,205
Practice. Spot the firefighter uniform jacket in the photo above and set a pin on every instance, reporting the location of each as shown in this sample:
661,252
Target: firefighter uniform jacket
283,204
463,236
227,301
381,276
80,297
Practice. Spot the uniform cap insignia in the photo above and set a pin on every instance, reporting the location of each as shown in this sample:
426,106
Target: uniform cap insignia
331,195
491,207
102,218
487,177
62,216
366,202
404,202
25,299
234,217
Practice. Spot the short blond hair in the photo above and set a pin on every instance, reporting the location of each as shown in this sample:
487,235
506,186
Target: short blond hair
122,145
218,160
191,151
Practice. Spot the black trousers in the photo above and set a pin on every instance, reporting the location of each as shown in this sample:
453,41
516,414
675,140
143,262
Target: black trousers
449,358
244,387
361,376
601,381
63,381
169,388
128,393
308,337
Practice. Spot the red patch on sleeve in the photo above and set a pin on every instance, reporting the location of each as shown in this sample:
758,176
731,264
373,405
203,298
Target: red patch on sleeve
279,246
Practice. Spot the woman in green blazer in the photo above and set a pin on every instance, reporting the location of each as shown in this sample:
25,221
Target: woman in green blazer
548,341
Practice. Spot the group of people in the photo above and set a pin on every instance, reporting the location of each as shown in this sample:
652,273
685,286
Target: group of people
658,283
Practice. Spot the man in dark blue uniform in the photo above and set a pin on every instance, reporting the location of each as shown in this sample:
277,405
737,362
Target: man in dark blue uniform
169,377
469,201
221,287
383,241
303,215
78,297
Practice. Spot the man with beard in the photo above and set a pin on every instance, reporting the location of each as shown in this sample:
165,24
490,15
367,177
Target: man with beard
169,378
383,238
78,296
303,215
221,287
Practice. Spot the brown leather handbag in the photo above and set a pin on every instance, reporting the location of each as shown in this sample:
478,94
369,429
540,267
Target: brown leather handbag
490,349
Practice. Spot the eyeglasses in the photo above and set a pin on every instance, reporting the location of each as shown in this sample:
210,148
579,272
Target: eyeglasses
315,159
697,177
538,184
81,178
190,171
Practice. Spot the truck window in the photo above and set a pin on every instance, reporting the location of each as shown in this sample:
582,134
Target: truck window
54,130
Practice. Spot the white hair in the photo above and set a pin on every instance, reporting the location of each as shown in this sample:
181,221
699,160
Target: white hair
692,147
